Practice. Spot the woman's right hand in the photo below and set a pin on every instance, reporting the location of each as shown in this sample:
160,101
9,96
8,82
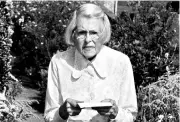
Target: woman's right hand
69,108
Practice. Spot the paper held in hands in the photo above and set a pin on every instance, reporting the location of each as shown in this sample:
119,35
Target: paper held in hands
93,105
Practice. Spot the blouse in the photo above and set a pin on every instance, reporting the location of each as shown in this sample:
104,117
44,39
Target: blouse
108,76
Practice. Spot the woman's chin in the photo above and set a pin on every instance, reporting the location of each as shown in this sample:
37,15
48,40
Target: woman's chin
90,56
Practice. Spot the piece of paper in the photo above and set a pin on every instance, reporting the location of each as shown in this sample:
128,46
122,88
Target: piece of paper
99,104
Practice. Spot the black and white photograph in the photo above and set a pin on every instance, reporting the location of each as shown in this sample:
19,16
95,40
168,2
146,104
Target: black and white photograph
89,61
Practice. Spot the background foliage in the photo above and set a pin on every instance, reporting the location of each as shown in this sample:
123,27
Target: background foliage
6,78
149,36
10,86
159,101
149,39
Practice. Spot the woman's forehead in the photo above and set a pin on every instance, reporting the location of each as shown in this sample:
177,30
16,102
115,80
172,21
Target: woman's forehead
89,23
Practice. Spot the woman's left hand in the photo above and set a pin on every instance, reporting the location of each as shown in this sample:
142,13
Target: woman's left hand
110,112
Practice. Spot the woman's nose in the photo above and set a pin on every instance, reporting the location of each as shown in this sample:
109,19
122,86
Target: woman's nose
88,38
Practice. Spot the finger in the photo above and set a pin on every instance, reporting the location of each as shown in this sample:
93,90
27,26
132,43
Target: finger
76,112
115,108
109,100
69,110
106,100
77,101
104,113
73,112
113,113
101,109
71,102
68,105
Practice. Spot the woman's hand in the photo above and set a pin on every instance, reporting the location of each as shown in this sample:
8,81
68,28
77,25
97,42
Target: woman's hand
110,112
69,108
3,107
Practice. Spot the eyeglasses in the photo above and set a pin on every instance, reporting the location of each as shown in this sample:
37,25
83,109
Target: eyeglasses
83,35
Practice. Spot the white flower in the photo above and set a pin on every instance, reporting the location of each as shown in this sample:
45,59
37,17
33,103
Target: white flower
166,55
33,9
64,26
13,106
21,20
10,31
167,68
8,1
161,117
170,116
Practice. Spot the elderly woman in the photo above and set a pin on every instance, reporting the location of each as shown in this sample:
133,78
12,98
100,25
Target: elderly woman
90,72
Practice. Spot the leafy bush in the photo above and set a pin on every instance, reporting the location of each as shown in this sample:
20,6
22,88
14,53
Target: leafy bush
10,86
149,39
7,80
159,101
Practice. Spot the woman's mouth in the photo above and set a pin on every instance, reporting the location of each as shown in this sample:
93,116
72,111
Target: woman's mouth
88,47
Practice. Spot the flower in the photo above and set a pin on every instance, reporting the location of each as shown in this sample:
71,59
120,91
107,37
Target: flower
166,55
170,116
10,31
160,118
64,26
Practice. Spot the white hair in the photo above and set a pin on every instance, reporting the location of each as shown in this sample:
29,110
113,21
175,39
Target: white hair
88,10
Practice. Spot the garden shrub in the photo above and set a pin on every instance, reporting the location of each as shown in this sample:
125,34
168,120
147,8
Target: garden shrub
160,100
149,39
10,86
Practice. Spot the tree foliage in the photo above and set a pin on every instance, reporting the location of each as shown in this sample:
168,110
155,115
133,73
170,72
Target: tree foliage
6,78
159,101
149,39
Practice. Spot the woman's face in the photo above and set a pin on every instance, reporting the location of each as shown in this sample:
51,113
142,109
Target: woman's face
87,40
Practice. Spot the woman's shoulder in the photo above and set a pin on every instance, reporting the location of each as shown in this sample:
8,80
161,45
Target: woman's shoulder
64,55
114,54
117,59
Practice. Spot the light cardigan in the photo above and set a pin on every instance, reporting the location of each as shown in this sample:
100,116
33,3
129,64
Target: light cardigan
108,76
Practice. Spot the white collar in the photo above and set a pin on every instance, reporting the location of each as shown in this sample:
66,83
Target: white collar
99,64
